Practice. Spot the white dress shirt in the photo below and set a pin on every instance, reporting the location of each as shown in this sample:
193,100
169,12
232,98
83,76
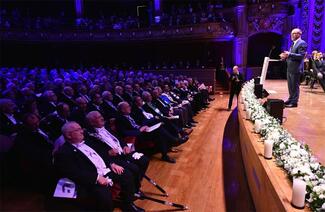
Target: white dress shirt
93,157
109,139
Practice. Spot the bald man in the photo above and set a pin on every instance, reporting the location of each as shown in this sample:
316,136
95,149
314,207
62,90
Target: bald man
236,80
295,62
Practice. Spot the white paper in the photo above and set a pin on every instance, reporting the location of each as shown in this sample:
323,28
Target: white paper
154,127
65,188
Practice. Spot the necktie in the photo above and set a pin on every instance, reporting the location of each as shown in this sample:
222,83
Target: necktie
133,123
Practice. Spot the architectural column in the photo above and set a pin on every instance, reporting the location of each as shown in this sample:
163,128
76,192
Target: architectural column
79,8
241,40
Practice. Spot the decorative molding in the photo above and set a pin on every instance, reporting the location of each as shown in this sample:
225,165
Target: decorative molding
267,17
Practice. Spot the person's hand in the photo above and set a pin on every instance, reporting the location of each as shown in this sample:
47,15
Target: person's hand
113,152
283,56
286,53
143,128
117,169
127,150
102,181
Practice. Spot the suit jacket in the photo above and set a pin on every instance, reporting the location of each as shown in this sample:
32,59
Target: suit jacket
109,111
46,108
236,86
295,60
128,97
164,108
93,136
73,164
70,101
151,110
92,107
52,125
33,158
79,116
117,99
125,128
139,117
7,127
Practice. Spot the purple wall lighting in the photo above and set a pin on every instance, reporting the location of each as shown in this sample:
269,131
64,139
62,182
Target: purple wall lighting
79,7
157,5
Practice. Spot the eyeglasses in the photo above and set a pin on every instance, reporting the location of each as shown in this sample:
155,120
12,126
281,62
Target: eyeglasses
76,130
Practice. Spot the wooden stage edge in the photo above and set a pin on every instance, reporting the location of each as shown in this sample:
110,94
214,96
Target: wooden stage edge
269,184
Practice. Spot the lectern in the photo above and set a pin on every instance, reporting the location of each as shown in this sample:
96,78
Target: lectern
266,62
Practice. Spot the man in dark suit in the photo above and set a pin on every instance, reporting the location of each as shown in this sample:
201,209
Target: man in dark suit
33,156
90,167
236,81
294,59
48,103
118,96
148,119
67,96
127,126
119,151
9,123
109,109
96,103
79,113
53,123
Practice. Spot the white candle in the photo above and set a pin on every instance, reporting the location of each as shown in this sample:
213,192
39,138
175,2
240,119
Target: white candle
257,126
248,114
298,193
268,146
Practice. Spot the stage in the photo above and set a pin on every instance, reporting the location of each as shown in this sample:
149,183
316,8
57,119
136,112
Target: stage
306,122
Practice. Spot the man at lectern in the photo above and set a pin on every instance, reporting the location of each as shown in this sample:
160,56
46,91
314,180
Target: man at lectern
294,59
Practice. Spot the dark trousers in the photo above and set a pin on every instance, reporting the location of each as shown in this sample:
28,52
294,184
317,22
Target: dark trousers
137,167
102,195
161,137
293,87
233,92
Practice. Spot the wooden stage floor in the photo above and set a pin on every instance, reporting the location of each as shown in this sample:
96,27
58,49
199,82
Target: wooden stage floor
306,122
197,178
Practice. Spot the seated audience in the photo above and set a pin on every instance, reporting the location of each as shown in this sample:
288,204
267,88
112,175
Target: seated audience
120,152
91,168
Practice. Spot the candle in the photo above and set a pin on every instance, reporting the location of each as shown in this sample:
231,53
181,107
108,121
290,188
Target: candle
257,126
268,146
298,193
248,114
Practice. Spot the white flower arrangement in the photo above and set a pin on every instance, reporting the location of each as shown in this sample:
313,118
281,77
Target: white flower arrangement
294,157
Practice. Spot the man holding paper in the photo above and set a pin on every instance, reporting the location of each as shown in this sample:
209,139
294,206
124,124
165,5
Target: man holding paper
295,59
127,126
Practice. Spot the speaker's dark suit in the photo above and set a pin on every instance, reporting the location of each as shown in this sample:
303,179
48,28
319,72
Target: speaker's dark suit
73,164
295,68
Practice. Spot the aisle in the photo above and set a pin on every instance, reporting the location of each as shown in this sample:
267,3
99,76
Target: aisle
196,180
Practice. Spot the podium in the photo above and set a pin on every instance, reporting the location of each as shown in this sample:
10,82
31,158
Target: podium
266,62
